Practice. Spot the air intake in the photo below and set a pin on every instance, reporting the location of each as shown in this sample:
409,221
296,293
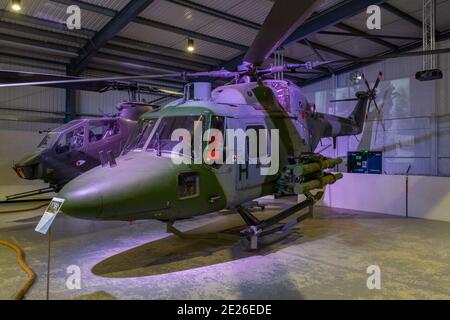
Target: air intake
198,91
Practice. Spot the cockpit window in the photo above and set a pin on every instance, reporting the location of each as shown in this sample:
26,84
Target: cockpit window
66,126
72,140
162,137
140,135
100,130
48,140
281,91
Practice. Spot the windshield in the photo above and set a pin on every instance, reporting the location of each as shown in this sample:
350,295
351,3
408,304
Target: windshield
162,137
48,140
140,135
64,127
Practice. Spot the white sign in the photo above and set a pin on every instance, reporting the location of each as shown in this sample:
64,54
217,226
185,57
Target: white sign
74,20
374,21
49,216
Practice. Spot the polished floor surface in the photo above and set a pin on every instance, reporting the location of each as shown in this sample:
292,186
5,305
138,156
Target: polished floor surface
327,258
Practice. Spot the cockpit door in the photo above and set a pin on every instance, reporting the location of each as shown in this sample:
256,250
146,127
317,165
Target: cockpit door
248,172
69,151
104,135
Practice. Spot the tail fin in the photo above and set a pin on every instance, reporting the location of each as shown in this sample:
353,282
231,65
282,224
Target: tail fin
358,116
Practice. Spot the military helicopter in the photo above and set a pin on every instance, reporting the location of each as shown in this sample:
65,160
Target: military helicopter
80,145
145,182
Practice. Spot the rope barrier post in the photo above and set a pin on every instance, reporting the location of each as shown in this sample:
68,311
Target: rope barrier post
48,261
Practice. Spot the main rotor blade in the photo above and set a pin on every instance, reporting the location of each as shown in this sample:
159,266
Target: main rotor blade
389,56
283,19
344,100
88,80
9,76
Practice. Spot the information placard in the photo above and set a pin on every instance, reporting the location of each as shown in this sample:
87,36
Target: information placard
49,216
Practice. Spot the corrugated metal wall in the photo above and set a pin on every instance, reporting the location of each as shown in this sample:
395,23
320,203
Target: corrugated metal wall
14,100
415,116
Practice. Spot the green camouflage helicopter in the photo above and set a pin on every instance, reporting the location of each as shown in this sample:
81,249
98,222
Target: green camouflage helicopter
146,183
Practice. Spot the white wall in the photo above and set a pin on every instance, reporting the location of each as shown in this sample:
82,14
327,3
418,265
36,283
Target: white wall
416,116
429,197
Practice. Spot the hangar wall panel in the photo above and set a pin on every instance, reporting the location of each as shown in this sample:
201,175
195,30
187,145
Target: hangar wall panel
17,101
14,145
429,197
414,125
370,193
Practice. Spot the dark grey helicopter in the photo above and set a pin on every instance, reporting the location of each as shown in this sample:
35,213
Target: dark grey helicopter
80,145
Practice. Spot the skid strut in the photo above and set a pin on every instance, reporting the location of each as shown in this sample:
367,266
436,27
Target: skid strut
200,236
29,193
257,229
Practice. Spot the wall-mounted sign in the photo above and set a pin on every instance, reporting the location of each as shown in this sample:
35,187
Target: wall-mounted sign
365,162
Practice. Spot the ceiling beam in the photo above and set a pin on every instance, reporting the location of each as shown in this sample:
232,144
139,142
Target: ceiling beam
109,31
170,28
247,23
318,22
363,34
25,19
155,56
399,13
167,51
217,13
44,33
89,7
189,33
317,53
136,63
58,49
65,50
330,17
57,66
354,66
405,16
323,48
155,24
86,34
120,45
368,36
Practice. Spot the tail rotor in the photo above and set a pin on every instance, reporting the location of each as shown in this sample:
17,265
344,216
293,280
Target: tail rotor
372,93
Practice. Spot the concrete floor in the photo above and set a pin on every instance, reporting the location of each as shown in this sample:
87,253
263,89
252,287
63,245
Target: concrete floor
326,259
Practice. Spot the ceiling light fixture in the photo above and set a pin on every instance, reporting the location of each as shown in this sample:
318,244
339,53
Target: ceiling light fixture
16,5
190,45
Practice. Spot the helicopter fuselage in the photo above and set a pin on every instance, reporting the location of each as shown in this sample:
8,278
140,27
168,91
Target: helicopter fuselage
146,183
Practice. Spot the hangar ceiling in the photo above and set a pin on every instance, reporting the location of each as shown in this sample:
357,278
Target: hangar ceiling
150,36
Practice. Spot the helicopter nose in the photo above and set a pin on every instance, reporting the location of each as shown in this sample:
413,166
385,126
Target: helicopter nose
29,167
24,171
137,187
81,202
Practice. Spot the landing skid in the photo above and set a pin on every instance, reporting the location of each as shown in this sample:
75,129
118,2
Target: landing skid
200,236
260,232
254,204
267,240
